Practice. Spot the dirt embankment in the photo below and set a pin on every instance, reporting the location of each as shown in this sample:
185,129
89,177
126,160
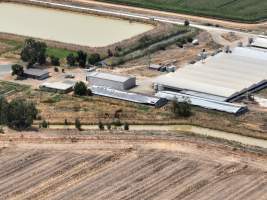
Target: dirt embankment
67,165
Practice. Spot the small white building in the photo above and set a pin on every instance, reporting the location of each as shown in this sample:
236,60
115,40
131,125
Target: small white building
58,87
111,80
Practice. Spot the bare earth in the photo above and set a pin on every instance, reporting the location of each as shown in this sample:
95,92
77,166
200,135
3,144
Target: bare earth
127,166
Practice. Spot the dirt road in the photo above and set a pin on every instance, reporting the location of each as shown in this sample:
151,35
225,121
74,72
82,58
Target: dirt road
127,166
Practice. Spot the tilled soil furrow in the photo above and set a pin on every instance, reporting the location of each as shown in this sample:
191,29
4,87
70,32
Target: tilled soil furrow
259,193
108,191
75,181
36,168
142,183
62,179
108,181
137,191
75,184
179,188
106,175
11,157
247,189
35,179
220,187
11,168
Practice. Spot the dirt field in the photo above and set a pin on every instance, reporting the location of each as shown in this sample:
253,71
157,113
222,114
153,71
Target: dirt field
73,166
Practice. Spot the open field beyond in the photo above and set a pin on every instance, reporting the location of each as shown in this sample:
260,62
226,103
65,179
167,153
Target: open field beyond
245,10
72,166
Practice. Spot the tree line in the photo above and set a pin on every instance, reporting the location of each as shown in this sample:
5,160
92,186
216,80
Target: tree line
18,113
35,52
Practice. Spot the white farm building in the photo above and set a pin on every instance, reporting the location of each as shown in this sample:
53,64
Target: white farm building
111,80
224,77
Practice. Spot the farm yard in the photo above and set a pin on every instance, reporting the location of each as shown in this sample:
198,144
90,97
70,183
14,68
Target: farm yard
54,166
245,10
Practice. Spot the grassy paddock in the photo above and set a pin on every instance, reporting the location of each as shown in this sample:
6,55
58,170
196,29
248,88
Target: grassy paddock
9,88
60,53
238,10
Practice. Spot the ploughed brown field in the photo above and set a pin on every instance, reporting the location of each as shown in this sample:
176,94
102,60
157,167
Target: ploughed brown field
107,166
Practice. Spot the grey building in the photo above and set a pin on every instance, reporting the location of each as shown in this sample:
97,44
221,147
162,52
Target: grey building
36,73
111,80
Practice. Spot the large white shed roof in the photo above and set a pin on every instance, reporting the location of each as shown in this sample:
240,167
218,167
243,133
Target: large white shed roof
108,76
222,75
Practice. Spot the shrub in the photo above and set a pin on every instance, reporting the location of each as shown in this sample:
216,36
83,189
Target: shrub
190,39
17,70
44,124
126,126
181,109
101,126
21,114
108,126
78,124
186,23
71,60
55,61
80,89
94,58
81,58
33,52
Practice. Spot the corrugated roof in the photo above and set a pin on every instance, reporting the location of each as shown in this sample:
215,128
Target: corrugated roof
108,76
125,95
35,72
222,75
203,102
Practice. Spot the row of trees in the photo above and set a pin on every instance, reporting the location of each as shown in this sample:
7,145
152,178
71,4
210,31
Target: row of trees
82,59
35,52
17,114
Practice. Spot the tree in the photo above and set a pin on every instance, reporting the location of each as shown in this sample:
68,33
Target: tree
56,69
186,23
181,109
33,52
44,124
81,58
78,124
94,58
110,54
71,60
54,61
101,126
21,114
3,110
17,70
126,126
80,89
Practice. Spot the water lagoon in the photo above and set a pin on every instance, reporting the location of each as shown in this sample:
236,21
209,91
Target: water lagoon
67,27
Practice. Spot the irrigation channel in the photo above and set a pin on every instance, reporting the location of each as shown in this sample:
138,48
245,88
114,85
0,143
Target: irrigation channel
186,129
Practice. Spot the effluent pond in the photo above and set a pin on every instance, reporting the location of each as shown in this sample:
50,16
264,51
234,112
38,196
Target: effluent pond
66,26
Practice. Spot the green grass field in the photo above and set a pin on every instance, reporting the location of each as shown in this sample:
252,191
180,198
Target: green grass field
60,53
240,10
